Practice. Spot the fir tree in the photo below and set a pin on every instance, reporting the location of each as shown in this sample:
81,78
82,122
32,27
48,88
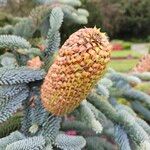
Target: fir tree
99,114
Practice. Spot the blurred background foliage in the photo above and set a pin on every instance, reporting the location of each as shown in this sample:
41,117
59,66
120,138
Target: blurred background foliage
122,19
118,18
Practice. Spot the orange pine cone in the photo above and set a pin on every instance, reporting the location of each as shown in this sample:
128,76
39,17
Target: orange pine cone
80,63
143,64
35,63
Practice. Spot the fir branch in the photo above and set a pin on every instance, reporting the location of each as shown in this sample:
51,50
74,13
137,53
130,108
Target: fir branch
3,103
121,138
8,92
126,108
144,146
8,59
33,143
9,76
101,104
145,76
48,147
53,42
34,117
25,28
15,136
56,18
99,115
66,142
105,82
38,113
144,125
135,95
102,90
13,42
74,125
83,12
115,76
73,15
26,120
50,128
138,107
107,125
88,117
7,29
130,79
13,105
39,14
53,37
133,80
141,122
121,85
135,132
97,143
31,52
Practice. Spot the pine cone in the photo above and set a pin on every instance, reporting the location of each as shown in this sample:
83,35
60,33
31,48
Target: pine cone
143,64
35,63
79,65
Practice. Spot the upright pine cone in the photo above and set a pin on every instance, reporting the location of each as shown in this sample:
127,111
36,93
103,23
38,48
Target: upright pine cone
80,63
143,64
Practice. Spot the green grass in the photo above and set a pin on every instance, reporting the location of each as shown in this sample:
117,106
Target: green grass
123,65
125,53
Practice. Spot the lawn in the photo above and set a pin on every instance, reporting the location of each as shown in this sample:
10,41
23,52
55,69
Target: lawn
125,53
124,65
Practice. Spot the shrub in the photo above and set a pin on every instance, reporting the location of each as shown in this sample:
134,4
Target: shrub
117,46
121,45
123,20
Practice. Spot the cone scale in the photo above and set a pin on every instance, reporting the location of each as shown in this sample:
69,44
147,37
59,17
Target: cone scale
80,63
